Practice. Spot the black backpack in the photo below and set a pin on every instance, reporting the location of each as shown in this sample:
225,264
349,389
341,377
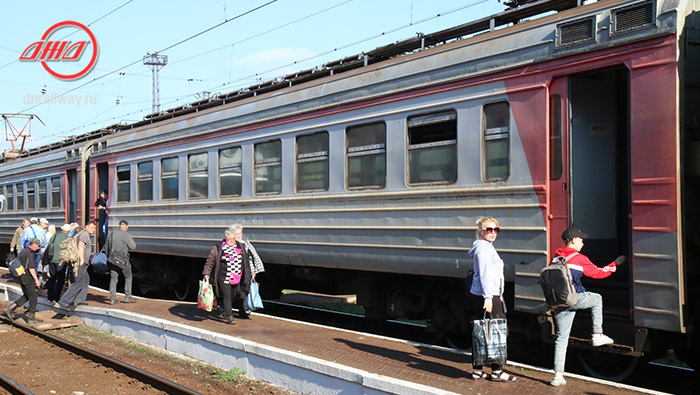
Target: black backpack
558,284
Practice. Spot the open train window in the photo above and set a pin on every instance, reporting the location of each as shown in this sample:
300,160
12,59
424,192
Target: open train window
55,192
20,196
230,171
198,176
123,184
145,181
43,195
169,177
10,197
268,167
366,156
496,141
432,148
312,162
3,198
31,196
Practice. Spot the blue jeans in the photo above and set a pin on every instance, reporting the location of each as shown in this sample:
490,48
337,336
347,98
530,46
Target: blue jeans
565,318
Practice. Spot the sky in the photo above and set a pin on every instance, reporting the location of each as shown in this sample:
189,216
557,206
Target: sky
212,47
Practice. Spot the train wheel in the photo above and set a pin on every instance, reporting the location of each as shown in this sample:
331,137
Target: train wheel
182,290
607,366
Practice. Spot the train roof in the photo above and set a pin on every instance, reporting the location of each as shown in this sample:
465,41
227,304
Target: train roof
519,10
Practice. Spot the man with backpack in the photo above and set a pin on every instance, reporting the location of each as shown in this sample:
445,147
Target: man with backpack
579,266
29,282
58,269
77,292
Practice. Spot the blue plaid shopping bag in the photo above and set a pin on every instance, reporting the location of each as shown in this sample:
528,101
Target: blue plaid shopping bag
489,341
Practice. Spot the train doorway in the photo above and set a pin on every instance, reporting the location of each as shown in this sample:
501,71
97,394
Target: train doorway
590,173
72,177
102,216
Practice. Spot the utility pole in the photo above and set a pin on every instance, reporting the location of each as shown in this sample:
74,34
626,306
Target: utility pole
156,62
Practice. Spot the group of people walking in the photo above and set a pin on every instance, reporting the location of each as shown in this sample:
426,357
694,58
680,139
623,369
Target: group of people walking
64,263
485,297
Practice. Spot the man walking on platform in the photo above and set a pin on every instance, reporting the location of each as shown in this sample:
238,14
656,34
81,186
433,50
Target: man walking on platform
117,248
15,246
29,282
77,293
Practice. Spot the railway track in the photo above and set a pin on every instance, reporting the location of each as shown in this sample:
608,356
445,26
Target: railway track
123,373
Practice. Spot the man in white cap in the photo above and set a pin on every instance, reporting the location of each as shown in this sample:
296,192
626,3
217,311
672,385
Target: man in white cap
36,231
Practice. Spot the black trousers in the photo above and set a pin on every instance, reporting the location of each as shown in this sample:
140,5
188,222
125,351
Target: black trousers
55,285
28,292
229,294
476,304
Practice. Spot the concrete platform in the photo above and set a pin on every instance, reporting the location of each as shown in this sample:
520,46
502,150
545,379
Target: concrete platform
304,357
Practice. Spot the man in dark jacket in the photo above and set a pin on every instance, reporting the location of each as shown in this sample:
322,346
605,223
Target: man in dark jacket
29,282
117,248
56,282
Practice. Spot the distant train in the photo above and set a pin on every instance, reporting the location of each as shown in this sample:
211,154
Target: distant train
366,175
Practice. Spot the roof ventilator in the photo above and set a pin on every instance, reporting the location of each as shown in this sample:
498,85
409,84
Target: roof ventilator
576,32
633,17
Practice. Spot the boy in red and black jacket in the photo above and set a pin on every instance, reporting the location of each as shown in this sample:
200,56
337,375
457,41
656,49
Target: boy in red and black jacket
579,266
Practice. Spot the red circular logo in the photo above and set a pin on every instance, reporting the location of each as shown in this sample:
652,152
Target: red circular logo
93,59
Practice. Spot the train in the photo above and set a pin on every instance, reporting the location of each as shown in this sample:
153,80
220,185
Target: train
367,174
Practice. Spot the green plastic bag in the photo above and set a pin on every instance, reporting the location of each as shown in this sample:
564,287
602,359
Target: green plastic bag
205,298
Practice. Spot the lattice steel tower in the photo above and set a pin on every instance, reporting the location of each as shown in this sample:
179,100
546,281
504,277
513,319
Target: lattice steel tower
156,62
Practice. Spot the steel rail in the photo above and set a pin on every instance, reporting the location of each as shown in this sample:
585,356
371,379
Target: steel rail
155,381
12,386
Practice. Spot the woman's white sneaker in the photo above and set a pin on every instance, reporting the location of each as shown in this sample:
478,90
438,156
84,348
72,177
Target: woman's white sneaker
600,339
557,380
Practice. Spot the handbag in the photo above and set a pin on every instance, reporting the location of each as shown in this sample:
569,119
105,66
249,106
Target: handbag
252,299
16,267
99,263
205,297
118,259
489,341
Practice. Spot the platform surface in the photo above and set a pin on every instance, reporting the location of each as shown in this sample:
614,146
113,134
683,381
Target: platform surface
424,365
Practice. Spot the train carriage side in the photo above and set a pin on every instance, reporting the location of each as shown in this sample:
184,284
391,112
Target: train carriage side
45,185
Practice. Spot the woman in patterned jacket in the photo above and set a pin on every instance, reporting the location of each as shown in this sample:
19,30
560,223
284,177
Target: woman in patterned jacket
229,270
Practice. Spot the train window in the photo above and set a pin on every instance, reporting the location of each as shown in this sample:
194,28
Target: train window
31,196
366,156
432,148
123,184
169,175
496,141
145,181
55,192
555,142
312,162
3,198
10,197
20,196
230,170
268,167
198,176
43,195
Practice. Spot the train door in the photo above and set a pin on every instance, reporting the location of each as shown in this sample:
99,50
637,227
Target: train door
102,215
72,177
589,173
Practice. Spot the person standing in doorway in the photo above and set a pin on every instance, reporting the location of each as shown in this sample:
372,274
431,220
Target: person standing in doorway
102,206
117,248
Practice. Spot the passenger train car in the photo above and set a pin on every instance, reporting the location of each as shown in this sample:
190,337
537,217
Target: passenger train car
367,175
